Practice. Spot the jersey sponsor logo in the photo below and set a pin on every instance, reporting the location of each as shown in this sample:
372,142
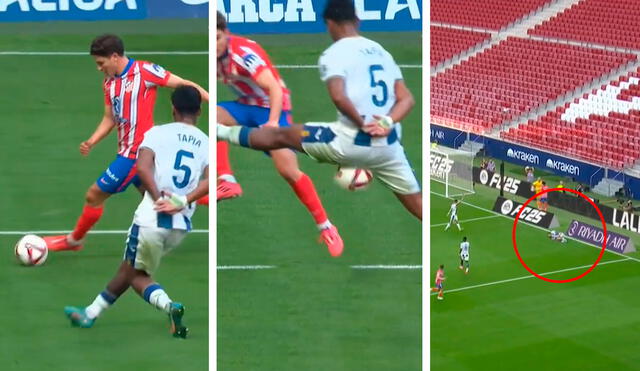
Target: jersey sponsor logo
251,60
529,215
440,165
128,86
563,166
523,156
155,70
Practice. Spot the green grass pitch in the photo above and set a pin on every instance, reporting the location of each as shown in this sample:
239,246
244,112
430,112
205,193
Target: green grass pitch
313,312
499,317
50,104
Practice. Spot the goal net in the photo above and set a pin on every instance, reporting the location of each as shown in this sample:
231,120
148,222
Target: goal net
454,169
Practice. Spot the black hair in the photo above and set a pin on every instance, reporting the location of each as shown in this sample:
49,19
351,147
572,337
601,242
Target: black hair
221,22
464,239
107,45
186,100
441,266
340,11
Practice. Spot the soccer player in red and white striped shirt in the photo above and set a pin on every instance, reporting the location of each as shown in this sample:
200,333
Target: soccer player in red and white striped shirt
263,100
439,282
130,88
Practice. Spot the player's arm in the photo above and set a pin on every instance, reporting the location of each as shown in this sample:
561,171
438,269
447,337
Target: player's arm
172,204
146,168
338,94
271,85
176,81
404,102
104,128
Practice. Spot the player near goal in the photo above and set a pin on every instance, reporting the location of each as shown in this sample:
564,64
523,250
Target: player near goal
557,236
464,255
173,165
453,215
367,88
130,88
263,100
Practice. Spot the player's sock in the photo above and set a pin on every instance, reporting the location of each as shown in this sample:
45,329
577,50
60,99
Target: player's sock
235,134
459,227
223,166
447,227
154,294
306,192
203,201
103,301
90,216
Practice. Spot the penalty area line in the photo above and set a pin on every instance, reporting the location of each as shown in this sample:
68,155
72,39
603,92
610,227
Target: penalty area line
530,276
119,231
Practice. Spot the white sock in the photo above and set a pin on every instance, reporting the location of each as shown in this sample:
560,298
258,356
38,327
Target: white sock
228,177
229,133
459,228
160,300
222,131
325,225
447,227
95,309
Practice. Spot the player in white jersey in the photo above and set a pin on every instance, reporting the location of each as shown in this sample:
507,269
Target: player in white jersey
557,236
173,165
464,255
453,215
367,88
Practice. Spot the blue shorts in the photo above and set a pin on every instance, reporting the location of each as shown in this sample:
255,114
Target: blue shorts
543,199
439,286
120,173
253,116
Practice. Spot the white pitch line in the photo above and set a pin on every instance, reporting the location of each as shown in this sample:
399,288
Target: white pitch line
542,229
124,231
175,52
386,267
362,267
529,276
243,267
314,66
467,220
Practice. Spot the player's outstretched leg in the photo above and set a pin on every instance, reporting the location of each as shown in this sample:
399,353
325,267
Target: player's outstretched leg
264,138
287,166
91,214
228,186
458,225
447,227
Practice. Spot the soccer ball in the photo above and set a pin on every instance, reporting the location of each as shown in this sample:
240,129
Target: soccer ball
353,179
31,250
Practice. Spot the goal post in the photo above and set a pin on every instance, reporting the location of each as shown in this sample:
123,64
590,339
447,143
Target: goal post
454,169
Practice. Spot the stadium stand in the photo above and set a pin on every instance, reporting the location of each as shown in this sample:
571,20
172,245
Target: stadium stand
490,14
602,127
514,77
447,42
608,22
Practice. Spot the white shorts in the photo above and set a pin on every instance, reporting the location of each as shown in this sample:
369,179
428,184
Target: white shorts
464,257
146,246
387,162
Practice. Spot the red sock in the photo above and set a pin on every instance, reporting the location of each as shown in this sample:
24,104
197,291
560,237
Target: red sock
90,216
307,194
223,166
203,201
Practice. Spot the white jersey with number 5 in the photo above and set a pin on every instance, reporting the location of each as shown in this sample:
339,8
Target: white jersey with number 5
369,73
181,156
